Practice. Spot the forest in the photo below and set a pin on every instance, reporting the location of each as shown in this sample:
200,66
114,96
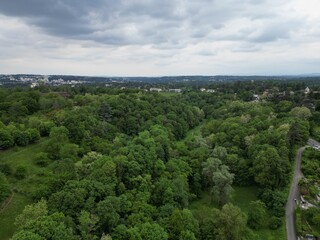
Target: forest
125,163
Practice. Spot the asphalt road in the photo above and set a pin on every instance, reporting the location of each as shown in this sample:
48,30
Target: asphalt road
295,193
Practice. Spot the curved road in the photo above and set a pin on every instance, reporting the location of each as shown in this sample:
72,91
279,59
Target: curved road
295,193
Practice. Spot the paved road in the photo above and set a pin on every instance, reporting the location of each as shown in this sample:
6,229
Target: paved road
295,193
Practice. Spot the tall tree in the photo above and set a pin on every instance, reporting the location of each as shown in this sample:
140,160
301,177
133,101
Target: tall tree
230,223
219,179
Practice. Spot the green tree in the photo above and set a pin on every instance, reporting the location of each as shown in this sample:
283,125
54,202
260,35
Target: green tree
108,212
301,112
21,138
31,213
87,225
187,235
230,223
152,231
257,214
219,179
270,170
6,140
27,235
58,138
182,220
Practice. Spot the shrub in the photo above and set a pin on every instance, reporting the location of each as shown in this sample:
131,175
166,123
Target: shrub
21,172
275,223
6,169
41,159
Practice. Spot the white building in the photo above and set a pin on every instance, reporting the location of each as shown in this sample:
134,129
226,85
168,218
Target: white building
155,89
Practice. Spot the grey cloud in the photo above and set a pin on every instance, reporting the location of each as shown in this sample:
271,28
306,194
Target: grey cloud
166,23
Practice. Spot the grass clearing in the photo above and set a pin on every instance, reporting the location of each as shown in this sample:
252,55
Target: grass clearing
21,156
8,215
24,156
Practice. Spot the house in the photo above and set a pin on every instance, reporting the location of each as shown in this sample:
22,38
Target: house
33,85
211,91
256,97
155,89
202,89
176,90
307,90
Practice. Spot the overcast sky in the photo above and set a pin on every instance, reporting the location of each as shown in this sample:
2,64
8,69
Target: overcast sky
160,37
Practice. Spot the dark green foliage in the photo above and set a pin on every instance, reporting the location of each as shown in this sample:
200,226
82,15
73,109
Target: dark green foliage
6,140
129,164
257,215
4,187
181,220
5,169
41,159
275,222
230,223
275,201
20,173
270,170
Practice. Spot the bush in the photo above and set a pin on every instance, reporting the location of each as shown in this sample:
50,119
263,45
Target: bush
6,169
275,223
6,140
21,138
21,172
41,159
33,134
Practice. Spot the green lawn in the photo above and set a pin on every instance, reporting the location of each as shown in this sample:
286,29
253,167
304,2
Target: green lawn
20,156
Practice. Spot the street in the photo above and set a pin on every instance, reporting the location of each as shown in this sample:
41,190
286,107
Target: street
295,193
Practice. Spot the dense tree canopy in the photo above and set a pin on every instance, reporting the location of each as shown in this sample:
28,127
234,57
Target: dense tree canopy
130,164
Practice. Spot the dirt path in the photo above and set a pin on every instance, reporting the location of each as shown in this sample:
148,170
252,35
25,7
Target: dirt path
6,202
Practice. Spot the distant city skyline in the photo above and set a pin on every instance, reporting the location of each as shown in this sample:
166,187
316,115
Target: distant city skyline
160,38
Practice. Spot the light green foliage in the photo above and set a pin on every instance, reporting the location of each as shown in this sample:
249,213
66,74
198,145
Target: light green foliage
27,235
30,213
147,230
87,225
34,221
219,179
301,112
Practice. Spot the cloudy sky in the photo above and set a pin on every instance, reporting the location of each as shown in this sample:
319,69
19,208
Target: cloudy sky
160,37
